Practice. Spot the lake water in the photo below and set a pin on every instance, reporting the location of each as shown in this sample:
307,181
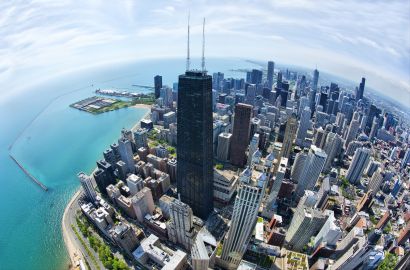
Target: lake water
55,142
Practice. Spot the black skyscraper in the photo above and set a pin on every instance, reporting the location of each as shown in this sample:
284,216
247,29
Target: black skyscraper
194,142
360,90
157,85
271,67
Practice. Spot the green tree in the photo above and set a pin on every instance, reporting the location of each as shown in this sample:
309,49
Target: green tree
389,262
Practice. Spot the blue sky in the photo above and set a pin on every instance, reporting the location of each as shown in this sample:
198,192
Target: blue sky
41,38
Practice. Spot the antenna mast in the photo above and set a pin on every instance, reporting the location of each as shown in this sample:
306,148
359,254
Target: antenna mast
188,60
203,46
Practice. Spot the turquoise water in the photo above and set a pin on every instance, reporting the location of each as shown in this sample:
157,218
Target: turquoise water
60,142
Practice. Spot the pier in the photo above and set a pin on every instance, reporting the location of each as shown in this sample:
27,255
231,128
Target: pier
35,180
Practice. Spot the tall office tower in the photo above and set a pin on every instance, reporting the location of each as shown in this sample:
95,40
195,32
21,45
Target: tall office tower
126,154
256,76
86,183
360,161
224,142
363,123
253,147
311,170
194,142
373,130
203,250
352,132
374,112
279,79
364,253
141,137
270,205
320,137
135,183
406,159
157,85
143,203
303,126
251,190
298,165
303,102
360,90
290,133
240,134
376,181
332,148
306,222
315,81
271,68
180,227
330,232
110,157
166,95
217,79
103,180
250,94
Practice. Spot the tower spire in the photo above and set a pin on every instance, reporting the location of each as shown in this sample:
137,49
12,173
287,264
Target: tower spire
188,59
203,46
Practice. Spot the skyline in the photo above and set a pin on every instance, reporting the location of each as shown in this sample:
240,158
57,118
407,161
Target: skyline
296,33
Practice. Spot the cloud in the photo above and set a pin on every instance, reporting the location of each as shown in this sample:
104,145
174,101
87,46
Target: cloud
351,38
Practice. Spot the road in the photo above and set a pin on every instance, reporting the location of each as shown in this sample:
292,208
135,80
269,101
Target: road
74,246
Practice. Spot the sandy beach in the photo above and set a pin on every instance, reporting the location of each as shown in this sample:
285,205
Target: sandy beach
72,250
146,115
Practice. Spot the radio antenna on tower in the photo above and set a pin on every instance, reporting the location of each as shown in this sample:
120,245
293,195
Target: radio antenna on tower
203,46
188,60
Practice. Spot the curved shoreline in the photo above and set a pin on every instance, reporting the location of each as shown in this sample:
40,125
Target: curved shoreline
72,249
73,252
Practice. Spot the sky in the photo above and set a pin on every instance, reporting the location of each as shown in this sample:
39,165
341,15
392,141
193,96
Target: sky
350,38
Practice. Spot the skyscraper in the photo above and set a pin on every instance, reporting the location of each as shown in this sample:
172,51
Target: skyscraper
125,149
224,141
180,228
250,193
303,126
271,68
240,134
332,148
86,183
311,170
157,85
360,90
315,81
194,142
290,133
352,132
360,160
375,181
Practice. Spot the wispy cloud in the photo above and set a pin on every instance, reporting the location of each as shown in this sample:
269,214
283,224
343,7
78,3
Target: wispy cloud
352,38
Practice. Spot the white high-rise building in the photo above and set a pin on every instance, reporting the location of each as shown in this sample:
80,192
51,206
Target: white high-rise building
352,132
330,232
143,203
87,184
135,183
360,161
311,170
224,142
374,128
303,103
248,200
203,250
298,165
268,211
180,228
304,124
306,222
332,148
253,146
375,181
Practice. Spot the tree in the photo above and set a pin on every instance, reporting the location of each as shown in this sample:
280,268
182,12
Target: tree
389,262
